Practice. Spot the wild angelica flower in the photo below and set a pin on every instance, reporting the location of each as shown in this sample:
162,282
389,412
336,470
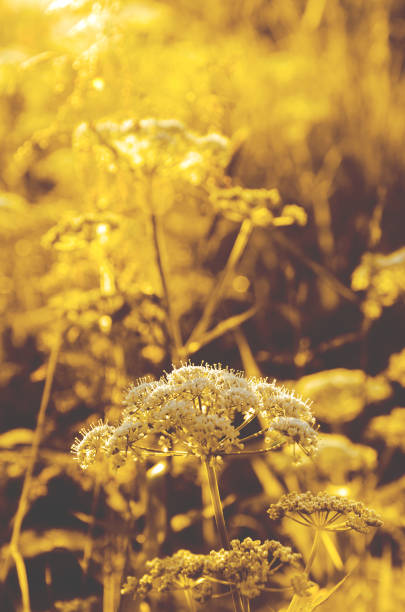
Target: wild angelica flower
249,566
202,411
162,145
92,444
298,430
262,206
182,571
279,401
325,512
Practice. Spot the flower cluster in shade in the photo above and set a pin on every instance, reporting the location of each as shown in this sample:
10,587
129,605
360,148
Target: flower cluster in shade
325,512
202,411
249,566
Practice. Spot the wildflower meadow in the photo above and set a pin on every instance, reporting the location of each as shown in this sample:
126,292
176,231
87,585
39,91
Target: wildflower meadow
202,319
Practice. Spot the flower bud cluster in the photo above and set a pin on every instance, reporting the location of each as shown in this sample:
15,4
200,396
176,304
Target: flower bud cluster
382,277
249,566
324,511
262,206
72,233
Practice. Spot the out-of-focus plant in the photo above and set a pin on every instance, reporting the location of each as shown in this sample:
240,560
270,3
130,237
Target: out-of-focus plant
382,278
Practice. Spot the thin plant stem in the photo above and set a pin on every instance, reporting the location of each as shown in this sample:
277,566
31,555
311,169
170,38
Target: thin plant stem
312,555
208,527
219,330
259,451
323,273
88,549
314,550
190,600
220,522
217,504
14,550
246,604
172,322
235,255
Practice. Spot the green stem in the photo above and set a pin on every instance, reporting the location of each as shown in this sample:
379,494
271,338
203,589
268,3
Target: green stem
220,521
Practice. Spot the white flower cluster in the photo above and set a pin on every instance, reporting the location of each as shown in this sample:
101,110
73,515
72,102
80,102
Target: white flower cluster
158,144
93,443
202,411
298,430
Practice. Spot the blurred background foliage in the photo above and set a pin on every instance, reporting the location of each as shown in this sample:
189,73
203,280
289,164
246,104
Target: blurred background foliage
264,231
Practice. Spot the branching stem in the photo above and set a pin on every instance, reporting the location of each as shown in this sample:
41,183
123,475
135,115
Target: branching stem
172,322
236,253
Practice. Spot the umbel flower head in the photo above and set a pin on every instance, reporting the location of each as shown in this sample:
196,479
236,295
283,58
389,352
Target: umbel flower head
202,411
325,512
92,443
249,566
161,145
182,571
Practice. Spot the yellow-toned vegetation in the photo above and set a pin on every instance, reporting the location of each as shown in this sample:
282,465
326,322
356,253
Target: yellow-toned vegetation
202,282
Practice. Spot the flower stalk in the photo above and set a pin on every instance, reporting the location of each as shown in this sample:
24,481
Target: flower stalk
220,522
313,553
190,600
236,253
172,322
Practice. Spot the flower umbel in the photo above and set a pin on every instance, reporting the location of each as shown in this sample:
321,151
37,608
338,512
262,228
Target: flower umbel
181,571
92,443
202,411
325,512
249,566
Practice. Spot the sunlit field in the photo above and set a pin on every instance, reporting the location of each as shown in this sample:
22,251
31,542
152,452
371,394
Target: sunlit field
202,321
